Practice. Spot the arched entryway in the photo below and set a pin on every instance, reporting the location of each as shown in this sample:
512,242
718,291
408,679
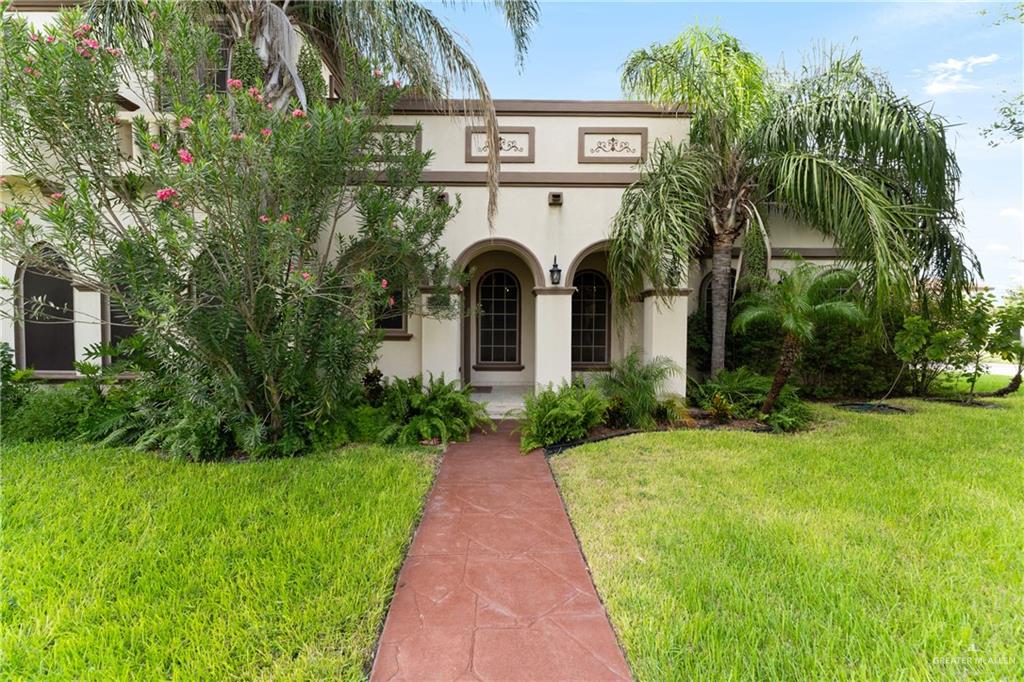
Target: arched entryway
499,327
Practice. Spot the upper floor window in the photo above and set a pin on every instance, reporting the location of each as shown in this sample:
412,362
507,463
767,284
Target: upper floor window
591,319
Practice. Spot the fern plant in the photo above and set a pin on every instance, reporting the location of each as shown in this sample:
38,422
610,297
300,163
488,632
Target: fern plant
560,415
632,388
434,410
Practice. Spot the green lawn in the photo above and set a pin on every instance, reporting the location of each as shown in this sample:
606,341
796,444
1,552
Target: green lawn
873,547
120,565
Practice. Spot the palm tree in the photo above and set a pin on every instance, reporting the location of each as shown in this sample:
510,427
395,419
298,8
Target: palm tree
835,148
799,304
403,38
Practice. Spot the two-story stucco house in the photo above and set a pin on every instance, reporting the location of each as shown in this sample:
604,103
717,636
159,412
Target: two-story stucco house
539,304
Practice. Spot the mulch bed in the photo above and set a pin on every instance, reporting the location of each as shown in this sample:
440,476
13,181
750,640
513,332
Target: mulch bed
700,420
962,403
872,408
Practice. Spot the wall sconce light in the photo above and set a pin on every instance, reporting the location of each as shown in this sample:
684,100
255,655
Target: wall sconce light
556,273
554,198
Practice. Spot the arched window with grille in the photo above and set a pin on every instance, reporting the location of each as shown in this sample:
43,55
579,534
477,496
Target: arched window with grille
591,320
499,323
46,302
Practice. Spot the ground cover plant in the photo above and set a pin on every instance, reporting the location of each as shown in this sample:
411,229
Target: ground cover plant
120,564
874,546
560,415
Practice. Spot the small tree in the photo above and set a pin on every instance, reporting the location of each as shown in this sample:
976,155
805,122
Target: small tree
221,236
798,305
1006,342
975,332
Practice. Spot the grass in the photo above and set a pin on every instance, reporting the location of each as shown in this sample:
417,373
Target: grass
873,547
119,565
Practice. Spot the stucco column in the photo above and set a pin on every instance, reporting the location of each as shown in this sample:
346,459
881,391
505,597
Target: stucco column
664,332
553,335
439,344
88,322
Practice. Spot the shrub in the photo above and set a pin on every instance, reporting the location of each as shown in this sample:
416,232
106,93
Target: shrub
739,394
560,415
632,387
223,244
414,411
14,383
47,413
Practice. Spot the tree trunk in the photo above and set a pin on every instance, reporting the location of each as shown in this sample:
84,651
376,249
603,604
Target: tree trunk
721,276
790,353
1006,390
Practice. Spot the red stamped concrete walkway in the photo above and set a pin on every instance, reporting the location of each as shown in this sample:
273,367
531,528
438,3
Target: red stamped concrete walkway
495,586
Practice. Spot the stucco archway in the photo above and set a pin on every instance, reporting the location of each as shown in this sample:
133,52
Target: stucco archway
596,247
503,245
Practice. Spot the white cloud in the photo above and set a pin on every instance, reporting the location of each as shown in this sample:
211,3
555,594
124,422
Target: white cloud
1012,213
952,74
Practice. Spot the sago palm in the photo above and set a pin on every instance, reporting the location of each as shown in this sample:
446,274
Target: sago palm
403,38
799,304
833,147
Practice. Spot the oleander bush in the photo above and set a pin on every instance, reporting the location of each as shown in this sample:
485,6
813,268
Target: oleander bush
560,415
210,236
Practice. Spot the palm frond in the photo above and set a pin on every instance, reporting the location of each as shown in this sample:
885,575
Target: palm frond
708,70
661,221
871,231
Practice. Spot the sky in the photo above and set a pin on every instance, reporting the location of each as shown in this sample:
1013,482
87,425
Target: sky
950,57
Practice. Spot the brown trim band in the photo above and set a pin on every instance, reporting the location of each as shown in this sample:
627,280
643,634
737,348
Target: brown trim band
531,144
583,157
785,252
553,291
541,107
397,336
530,179
648,293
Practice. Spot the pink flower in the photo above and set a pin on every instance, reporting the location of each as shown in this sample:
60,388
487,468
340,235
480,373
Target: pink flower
383,284
82,30
234,84
28,70
266,132
397,83
155,146
91,42
84,52
165,193
306,276
255,94
19,222
264,218
298,113
33,37
285,218
57,196
391,301
185,156
377,73
237,137
185,122
3,180
113,52
50,39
